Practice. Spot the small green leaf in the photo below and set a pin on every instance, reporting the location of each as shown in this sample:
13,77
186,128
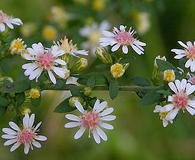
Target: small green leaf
113,88
3,101
74,91
150,98
21,85
36,102
164,65
64,107
20,97
91,81
141,81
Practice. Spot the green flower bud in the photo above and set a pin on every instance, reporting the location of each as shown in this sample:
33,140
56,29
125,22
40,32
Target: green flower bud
80,65
72,101
103,55
87,91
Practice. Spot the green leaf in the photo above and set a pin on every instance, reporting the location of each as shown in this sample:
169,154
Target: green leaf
150,98
8,86
164,65
91,81
74,91
141,81
64,107
36,102
21,85
113,88
3,101
20,97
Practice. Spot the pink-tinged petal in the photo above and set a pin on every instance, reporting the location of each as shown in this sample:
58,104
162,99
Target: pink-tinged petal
125,49
79,133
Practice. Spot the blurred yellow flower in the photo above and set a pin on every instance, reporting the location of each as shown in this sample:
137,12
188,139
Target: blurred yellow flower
17,46
28,29
83,2
117,70
49,33
99,5
169,75
34,93
25,111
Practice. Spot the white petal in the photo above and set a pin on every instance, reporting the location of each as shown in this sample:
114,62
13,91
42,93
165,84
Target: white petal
79,133
167,108
2,27
106,126
14,147
9,25
97,102
59,71
96,136
26,121
7,136
106,111
108,118
36,73
102,134
179,56
125,49
81,52
115,47
36,144
170,98
14,126
51,76
26,148
188,63
37,126
9,131
172,87
101,106
190,89
31,120
137,50
182,44
108,34
72,124
41,138
165,123
190,110
79,107
172,114
28,57
140,43
59,61
179,51
191,103
183,84
9,142
189,44
72,117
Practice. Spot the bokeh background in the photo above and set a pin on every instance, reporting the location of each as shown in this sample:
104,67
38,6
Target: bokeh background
138,133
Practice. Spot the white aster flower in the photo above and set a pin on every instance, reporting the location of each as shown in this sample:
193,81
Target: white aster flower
92,120
93,34
27,135
163,113
9,21
121,37
181,99
188,52
69,48
44,60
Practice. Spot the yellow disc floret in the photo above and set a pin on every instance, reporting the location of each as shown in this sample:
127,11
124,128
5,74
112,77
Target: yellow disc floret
34,93
117,70
169,75
17,46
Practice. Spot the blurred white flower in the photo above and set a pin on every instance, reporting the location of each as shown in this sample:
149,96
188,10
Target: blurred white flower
143,22
188,52
92,120
121,37
27,135
93,33
9,21
44,60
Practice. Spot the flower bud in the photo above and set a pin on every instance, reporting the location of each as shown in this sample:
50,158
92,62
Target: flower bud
103,55
87,91
169,75
80,65
17,46
34,93
160,58
49,33
72,101
117,70
25,110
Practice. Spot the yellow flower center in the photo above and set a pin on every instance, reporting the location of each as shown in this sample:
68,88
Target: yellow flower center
163,114
34,93
94,37
169,75
117,70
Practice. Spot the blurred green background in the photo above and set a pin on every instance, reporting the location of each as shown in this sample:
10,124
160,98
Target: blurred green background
138,133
